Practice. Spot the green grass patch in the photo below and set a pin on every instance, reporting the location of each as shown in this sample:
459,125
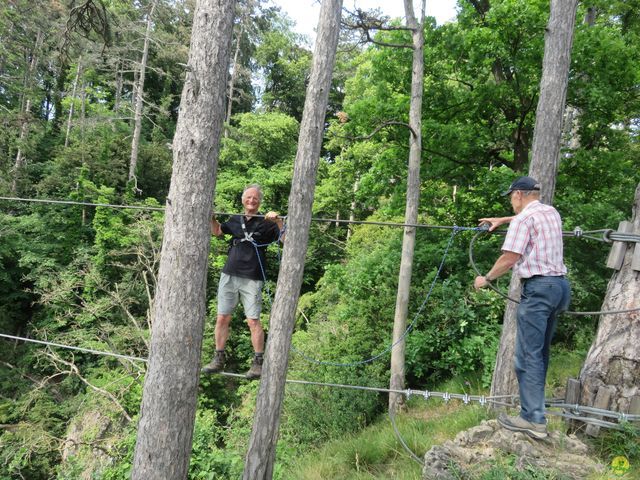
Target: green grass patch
376,453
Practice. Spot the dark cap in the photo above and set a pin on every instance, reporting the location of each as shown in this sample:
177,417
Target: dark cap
523,183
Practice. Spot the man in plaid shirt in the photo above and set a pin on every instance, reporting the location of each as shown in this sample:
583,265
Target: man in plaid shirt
533,248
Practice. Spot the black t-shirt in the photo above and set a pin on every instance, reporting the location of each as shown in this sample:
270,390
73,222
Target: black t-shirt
242,260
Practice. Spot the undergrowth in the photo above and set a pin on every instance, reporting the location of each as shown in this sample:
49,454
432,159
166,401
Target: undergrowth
376,453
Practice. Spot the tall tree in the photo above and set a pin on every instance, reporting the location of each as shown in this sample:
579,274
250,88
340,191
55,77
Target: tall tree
165,430
139,96
261,454
547,138
411,209
29,81
613,359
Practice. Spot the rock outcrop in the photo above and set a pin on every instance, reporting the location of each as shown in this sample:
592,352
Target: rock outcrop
480,448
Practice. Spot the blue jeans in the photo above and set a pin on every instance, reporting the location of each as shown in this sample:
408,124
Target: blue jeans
543,298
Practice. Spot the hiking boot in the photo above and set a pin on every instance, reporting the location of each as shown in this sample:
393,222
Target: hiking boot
519,424
215,365
256,368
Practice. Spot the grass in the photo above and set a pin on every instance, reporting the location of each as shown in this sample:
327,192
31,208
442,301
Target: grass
375,452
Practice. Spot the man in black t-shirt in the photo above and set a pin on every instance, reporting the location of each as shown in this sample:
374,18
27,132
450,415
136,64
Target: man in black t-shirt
243,275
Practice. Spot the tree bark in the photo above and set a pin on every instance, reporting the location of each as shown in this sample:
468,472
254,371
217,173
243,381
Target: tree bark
261,454
169,399
614,358
137,117
547,134
397,374
547,137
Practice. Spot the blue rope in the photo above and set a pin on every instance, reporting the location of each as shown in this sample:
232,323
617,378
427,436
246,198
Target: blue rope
455,230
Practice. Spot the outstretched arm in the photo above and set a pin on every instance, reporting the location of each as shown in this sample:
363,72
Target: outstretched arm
495,222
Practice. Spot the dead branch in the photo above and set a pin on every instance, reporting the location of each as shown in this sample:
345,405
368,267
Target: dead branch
73,369
367,24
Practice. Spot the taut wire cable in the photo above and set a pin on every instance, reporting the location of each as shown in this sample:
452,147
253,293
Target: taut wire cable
507,297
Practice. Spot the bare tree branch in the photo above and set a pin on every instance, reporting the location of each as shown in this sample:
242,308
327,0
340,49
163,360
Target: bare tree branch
74,370
366,23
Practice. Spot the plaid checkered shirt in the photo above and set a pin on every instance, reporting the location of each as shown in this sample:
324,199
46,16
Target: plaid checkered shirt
536,234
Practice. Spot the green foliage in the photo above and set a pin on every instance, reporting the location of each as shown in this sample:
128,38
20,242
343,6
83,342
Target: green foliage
286,67
616,443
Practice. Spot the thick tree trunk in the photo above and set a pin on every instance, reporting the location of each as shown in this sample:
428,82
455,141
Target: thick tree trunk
504,381
262,445
137,116
547,138
547,135
614,357
170,391
396,382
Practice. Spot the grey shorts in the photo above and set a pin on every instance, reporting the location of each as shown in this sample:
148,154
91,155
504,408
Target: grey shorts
232,288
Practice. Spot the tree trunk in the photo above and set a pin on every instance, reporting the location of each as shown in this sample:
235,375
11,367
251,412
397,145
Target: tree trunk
232,81
137,117
547,137
504,381
118,86
20,161
261,454
73,98
169,399
396,382
26,112
614,357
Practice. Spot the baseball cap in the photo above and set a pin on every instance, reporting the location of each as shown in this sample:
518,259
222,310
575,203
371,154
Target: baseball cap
523,183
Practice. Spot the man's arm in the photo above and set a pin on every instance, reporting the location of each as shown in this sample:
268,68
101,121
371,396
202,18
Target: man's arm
495,222
216,229
275,218
504,263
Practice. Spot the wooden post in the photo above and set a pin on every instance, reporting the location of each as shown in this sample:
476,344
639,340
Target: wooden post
634,407
603,397
616,255
572,397
635,260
